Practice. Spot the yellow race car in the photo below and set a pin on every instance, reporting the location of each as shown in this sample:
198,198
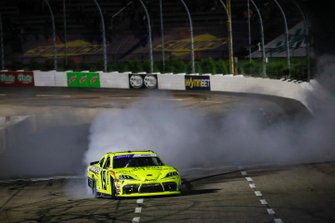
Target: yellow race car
132,173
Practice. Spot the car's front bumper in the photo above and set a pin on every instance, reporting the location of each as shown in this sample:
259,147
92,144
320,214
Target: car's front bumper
133,189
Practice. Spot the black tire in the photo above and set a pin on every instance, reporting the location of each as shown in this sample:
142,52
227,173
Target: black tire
95,193
113,189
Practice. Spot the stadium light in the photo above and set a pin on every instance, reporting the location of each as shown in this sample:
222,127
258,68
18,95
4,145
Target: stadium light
287,37
53,33
2,45
150,37
162,33
262,36
103,35
191,34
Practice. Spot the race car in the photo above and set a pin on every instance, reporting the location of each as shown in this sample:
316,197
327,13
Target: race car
132,173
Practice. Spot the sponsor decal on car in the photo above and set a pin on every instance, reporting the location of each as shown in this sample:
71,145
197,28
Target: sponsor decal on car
95,169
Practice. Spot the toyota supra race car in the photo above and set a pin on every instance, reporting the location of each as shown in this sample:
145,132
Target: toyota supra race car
132,173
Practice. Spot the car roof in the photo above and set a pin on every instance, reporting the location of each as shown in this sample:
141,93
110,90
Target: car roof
131,152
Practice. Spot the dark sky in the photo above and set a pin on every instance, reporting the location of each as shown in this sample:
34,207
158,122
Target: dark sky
322,16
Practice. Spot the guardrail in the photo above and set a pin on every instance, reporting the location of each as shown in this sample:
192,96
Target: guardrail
126,80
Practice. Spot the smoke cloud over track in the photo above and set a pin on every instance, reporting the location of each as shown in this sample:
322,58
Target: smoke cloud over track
188,138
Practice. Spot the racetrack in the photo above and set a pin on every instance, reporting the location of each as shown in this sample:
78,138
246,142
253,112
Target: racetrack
265,192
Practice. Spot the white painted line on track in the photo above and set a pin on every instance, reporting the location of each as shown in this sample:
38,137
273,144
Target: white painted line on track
138,210
140,201
263,201
213,102
270,211
258,194
175,99
249,179
126,98
252,186
136,220
53,95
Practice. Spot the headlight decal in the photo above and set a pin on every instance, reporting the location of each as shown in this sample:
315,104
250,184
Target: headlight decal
172,174
126,177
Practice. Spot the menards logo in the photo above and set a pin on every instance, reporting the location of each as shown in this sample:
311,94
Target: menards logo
201,43
73,48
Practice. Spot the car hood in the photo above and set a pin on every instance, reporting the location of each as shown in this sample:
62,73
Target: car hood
145,173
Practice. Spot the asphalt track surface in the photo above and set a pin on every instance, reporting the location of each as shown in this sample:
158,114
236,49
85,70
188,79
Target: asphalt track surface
302,193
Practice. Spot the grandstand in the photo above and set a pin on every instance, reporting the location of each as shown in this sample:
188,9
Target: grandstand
27,29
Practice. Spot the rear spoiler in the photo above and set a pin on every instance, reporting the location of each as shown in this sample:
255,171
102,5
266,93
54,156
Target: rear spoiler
95,162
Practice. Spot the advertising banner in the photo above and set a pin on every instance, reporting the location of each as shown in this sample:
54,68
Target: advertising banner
17,78
193,82
143,81
83,79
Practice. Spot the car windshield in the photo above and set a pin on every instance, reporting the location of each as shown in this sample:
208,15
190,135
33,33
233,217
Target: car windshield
128,161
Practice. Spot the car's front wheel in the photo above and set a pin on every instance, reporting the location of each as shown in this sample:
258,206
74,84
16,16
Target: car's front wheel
95,192
113,189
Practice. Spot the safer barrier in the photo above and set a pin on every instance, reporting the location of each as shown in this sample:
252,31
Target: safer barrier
127,80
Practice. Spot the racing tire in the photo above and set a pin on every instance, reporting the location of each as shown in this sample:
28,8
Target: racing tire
95,193
113,189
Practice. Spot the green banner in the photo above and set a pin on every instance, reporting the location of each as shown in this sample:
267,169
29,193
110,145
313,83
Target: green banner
83,79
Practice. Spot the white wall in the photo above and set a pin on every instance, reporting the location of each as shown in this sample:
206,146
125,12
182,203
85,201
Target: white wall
171,81
114,80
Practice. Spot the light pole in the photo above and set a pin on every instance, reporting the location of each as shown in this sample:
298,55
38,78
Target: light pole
162,33
287,37
191,34
249,30
150,36
230,40
262,36
103,35
2,45
53,33
226,10
65,33
307,39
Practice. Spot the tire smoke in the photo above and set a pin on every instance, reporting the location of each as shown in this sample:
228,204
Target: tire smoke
190,138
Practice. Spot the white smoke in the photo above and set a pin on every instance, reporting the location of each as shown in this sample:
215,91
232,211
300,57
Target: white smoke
189,137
